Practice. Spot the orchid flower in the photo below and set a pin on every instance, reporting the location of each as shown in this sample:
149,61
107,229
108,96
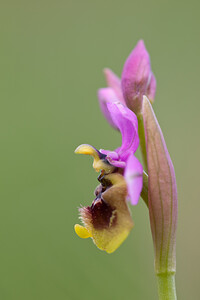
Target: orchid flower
108,220
126,106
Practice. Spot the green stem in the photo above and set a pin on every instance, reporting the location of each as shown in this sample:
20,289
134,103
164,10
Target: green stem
141,133
166,286
144,193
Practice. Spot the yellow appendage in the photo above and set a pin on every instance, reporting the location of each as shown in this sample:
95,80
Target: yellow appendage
82,232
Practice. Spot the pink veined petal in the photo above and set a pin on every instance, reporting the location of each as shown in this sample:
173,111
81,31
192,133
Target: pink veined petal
114,82
134,178
106,95
126,121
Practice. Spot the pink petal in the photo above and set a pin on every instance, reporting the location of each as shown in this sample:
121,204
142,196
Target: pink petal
114,82
106,95
113,158
116,163
134,178
105,152
126,121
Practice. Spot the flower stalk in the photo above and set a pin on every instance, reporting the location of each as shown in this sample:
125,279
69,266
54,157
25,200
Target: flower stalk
166,286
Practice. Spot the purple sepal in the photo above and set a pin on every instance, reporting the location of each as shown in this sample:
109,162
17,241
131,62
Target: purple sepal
137,78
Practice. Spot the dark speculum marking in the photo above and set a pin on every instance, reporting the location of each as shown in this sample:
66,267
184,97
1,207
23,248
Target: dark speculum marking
103,215
101,155
104,182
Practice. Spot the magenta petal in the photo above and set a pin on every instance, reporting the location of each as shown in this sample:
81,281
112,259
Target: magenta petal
116,163
134,178
136,77
126,121
114,82
113,155
106,95
113,159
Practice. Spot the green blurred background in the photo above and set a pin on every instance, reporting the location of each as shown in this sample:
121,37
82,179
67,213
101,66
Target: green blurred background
51,58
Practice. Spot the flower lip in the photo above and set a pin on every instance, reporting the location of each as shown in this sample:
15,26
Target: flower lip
103,215
108,220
